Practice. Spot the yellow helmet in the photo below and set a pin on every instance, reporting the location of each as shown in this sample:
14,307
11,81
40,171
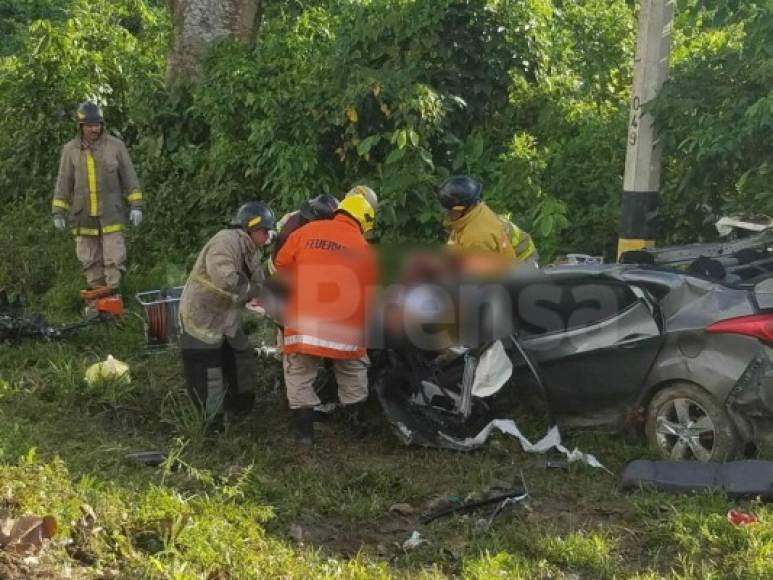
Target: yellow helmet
359,208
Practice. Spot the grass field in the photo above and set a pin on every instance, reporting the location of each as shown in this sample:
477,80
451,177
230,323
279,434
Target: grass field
248,504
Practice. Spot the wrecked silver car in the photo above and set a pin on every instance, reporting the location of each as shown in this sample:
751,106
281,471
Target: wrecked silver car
731,261
684,359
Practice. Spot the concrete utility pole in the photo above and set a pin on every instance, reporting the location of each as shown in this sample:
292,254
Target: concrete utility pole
641,181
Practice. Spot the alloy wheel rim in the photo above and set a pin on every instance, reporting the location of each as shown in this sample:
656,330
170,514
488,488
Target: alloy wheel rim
684,430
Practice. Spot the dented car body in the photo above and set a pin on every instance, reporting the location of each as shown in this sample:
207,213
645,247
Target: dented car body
606,346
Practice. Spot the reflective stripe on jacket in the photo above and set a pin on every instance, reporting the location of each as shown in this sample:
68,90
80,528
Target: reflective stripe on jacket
211,302
332,273
284,227
522,242
96,186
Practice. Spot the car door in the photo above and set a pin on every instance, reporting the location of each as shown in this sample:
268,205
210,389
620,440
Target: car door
595,342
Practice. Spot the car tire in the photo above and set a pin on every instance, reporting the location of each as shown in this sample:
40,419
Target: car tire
684,422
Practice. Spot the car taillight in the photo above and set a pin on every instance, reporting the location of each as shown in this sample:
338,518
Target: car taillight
758,325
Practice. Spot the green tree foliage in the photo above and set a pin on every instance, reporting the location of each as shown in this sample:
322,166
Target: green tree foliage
531,96
400,95
16,14
716,115
392,93
101,50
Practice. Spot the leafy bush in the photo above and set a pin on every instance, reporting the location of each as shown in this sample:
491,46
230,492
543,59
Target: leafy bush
16,14
716,116
529,96
391,94
102,50
388,93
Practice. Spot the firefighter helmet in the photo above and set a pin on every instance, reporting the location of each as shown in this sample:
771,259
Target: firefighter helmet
358,207
322,207
254,215
366,192
89,113
459,192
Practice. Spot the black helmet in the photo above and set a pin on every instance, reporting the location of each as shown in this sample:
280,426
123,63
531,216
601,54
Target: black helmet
459,192
254,215
89,112
322,207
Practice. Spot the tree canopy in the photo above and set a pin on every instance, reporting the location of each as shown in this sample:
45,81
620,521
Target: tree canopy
530,96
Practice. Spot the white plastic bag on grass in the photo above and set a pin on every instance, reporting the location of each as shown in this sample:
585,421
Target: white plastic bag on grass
110,369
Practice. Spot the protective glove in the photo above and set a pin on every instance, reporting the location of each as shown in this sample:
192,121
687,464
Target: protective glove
256,306
60,223
254,290
135,217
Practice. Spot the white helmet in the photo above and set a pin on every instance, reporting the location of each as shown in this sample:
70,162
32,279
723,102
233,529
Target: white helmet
365,192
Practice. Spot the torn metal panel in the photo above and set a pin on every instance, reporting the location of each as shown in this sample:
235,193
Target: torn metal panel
680,255
551,440
414,427
751,400
494,370
419,421
726,225
696,303
730,261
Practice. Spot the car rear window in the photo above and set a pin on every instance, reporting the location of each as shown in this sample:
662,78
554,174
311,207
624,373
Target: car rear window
557,307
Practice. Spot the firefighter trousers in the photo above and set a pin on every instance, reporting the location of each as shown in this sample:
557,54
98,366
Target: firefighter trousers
300,370
103,258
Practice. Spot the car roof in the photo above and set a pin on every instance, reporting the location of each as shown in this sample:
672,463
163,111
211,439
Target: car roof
631,273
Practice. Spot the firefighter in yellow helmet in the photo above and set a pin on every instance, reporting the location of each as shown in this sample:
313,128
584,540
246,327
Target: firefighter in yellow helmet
98,193
366,192
331,273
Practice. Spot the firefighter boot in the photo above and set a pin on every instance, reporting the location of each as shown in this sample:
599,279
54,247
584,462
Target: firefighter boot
354,418
303,426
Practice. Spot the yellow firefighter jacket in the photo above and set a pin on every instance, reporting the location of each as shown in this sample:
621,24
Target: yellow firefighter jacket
482,230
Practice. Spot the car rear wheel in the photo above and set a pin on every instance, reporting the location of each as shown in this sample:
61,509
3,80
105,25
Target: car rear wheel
684,422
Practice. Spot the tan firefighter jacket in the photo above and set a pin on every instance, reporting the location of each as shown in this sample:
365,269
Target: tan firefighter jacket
96,186
226,271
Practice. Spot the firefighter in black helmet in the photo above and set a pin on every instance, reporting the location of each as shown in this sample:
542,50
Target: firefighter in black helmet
322,207
474,228
219,363
98,193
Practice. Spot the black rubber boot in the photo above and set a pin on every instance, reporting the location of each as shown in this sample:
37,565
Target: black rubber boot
303,426
353,418
218,424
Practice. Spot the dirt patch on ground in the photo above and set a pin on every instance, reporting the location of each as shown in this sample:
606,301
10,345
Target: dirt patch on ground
564,512
383,536
14,567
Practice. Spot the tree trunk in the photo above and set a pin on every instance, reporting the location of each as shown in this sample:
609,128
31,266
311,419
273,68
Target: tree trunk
199,23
